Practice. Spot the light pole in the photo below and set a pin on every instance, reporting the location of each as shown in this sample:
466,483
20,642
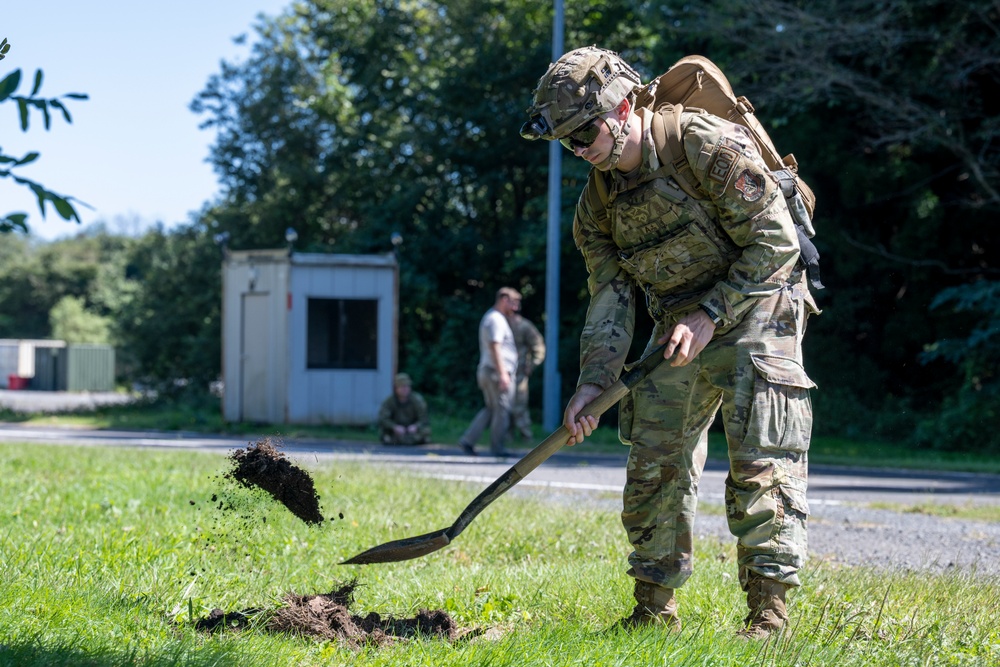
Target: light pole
551,400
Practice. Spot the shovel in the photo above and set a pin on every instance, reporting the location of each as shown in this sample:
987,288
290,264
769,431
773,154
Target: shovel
421,545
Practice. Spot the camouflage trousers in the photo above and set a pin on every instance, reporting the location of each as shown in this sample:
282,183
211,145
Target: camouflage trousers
520,414
754,372
421,437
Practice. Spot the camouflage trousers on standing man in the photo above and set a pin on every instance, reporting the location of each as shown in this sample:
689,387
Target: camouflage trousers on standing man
753,371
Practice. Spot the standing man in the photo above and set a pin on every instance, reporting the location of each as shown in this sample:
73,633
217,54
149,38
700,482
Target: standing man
402,417
496,373
721,276
530,355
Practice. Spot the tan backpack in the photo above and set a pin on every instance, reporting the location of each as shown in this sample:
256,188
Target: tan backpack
696,82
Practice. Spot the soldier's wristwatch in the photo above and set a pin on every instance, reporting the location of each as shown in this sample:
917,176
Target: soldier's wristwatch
711,314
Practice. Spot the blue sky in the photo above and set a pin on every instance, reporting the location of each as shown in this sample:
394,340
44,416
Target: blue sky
134,151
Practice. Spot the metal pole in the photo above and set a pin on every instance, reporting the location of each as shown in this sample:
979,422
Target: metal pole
552,403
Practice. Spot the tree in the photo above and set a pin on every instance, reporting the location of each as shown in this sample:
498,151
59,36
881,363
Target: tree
90,268
170,327
8,86
352,121
971,414
70,321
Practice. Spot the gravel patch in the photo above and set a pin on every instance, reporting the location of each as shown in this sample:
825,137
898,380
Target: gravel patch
857,536
60,401
851,535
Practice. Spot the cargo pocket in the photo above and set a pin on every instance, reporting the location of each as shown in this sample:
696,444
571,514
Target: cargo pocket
781,414
795,496
792,536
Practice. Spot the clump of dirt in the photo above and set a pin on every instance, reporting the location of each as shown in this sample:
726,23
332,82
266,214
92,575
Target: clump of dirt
328,616
262,466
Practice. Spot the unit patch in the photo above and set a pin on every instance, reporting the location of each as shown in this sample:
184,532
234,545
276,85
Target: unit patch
722,165
751,185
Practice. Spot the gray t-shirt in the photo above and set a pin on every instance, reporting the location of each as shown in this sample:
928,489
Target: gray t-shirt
494,328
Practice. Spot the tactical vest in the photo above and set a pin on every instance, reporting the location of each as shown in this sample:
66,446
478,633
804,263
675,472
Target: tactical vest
669,242
674,167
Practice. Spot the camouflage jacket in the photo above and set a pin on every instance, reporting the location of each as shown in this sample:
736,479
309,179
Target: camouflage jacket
724,251
393,412
530,345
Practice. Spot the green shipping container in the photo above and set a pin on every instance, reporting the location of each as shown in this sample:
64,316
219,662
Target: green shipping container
76,367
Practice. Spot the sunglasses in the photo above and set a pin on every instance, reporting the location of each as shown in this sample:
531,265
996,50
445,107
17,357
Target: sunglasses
584,136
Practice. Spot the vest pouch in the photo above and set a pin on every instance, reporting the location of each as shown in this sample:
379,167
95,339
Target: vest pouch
687,258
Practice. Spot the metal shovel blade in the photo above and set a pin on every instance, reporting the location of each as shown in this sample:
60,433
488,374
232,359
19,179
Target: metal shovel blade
404,549
421,545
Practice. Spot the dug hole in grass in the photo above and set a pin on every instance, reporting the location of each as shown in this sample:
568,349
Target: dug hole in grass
111,556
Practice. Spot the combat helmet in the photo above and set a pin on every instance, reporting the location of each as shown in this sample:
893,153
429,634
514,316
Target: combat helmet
580,86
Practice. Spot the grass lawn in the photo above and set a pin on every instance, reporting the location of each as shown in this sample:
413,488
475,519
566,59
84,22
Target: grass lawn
110,555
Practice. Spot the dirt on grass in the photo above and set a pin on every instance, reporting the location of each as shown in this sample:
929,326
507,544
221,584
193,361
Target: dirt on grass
326,615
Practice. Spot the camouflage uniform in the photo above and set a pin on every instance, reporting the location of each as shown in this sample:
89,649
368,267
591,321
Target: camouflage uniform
530,354
395,412
734,253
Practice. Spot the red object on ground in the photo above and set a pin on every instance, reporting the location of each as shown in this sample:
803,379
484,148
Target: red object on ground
17,382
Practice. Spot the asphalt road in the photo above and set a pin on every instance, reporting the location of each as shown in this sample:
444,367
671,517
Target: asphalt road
567,469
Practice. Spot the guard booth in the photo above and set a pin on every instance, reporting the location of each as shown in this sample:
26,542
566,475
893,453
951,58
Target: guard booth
307,338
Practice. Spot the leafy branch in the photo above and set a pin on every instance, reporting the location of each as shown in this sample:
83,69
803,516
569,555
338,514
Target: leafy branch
46,106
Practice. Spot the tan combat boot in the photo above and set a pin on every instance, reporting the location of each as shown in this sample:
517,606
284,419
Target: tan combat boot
654,605
766,601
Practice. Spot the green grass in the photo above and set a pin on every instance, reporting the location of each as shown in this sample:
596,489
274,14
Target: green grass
973,511
108,555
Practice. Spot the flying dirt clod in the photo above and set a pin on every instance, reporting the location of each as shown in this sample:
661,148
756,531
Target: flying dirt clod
262,466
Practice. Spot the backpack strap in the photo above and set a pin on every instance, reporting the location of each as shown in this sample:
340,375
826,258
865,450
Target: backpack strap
666,129
598,198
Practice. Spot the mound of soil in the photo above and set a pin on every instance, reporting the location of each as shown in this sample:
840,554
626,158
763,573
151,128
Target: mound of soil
262,466
328,616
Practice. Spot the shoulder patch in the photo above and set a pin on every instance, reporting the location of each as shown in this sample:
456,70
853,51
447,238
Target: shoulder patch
750,185
722,164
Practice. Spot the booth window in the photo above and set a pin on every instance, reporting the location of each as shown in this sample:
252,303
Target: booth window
342,333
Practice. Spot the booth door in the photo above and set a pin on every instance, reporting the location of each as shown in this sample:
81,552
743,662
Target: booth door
255,384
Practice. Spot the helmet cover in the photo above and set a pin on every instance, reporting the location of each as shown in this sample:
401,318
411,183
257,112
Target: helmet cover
580,86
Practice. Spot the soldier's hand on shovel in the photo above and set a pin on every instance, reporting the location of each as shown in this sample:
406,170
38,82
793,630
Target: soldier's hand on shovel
582,426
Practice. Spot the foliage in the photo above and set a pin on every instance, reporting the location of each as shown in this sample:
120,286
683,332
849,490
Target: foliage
970,415
71,322
35,277
982,301
171,328
46,106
